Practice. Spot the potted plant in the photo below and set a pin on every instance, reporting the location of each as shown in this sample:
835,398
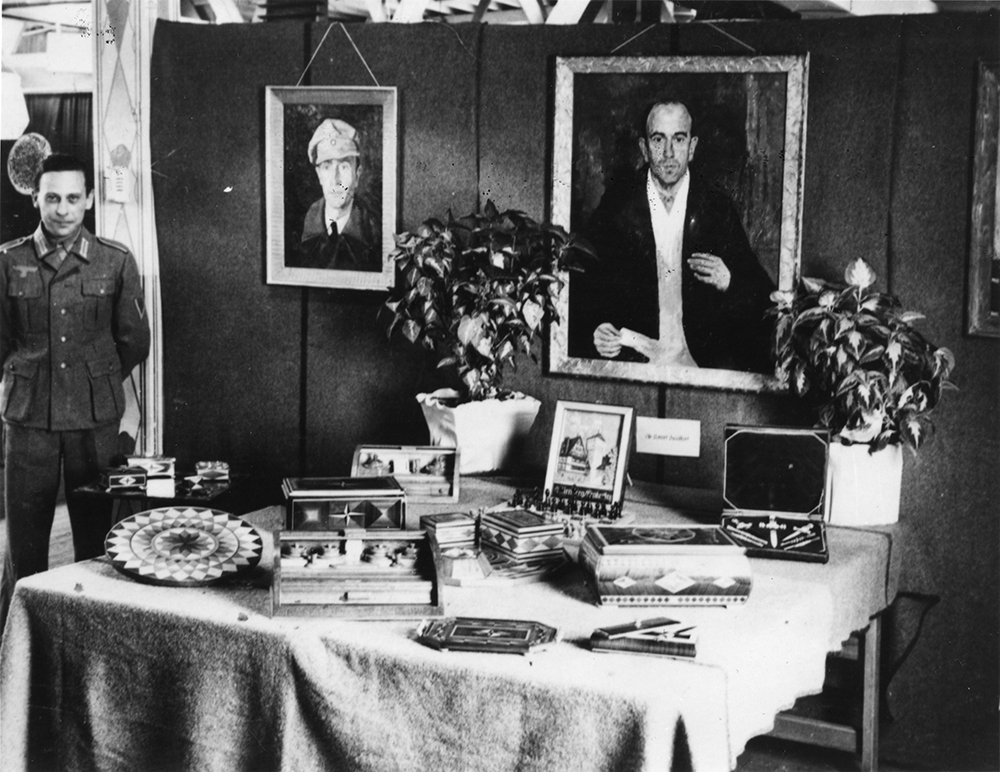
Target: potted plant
854,355
476,292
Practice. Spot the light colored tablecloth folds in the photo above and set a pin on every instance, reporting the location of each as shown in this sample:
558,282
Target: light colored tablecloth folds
100,672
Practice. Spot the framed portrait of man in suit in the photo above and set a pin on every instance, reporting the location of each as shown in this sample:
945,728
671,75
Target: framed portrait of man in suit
686,175
331,155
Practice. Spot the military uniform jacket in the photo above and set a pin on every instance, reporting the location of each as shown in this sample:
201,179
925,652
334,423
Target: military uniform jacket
358,248
69,333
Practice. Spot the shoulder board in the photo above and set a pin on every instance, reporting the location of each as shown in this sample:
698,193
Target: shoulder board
112,243
15,243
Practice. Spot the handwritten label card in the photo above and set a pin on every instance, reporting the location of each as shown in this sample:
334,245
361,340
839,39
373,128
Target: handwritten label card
668,436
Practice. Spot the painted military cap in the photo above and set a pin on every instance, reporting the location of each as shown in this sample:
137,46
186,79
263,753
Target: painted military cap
333,139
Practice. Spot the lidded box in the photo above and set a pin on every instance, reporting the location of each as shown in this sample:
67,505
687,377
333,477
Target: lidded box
155,466
335,503
451,528
121,478
665,565
775,491
523,536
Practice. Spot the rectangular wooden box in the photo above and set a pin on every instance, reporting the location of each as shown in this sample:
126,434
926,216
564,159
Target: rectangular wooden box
155,466
521,535
775,491
450,528
652,565
335,503
425,472
123,478
384,574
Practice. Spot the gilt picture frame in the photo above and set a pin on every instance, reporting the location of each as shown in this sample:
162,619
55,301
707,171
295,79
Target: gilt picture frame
984,241
304,247
749,114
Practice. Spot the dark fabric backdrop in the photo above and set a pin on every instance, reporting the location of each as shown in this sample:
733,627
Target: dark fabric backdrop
282,380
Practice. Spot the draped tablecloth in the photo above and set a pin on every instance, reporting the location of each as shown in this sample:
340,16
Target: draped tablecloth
100,672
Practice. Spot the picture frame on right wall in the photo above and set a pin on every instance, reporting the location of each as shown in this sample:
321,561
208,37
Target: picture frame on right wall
744,144
984,239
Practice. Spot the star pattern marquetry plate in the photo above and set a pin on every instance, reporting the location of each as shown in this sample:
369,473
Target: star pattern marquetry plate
183,546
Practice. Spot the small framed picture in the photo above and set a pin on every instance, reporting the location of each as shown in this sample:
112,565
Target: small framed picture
589,453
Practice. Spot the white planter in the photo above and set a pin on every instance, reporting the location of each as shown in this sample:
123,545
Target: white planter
865,487
487,433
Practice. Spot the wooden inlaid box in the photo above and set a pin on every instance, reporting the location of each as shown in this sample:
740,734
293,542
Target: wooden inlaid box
383,574
775,491
425,472
155,466
520,535
123,478
336,503
663,565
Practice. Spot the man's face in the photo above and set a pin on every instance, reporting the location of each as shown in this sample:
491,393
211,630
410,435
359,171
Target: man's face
339,179
62,199
668,146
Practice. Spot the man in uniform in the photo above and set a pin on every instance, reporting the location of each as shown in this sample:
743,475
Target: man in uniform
72,327
339,231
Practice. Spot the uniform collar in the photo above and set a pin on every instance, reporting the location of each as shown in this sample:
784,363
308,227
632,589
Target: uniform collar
44,246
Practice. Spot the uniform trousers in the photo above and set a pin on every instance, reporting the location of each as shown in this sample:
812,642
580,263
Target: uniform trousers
33,461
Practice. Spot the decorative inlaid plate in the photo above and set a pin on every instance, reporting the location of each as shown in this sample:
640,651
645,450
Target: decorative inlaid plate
183,546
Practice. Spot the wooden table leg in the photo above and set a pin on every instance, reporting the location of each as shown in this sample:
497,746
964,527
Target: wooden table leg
872,643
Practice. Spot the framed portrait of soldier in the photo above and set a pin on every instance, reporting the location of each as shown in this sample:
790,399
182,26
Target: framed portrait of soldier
330,166
686,175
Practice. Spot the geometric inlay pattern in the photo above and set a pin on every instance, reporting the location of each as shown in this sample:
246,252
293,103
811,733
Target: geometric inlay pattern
724,582
625,582
183,546
526,544
675,581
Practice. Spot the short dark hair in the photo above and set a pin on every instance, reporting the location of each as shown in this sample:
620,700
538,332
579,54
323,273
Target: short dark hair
666,100
63,162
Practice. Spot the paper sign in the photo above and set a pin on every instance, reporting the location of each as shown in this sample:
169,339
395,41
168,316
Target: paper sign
668,436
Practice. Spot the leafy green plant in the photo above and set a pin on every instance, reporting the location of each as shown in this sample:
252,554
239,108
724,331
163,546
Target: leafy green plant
854,354
478,290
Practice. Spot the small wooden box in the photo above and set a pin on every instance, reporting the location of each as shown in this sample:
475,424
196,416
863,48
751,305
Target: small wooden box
335,503
774,490
155,466
123,478
521,535
425,472
451,528
383,574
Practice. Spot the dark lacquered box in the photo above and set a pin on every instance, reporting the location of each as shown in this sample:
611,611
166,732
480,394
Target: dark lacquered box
775,491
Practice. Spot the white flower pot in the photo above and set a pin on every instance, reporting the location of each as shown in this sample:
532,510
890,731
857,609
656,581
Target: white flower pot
487,433
865,487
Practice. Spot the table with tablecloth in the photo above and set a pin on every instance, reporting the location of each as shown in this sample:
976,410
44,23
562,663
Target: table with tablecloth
98,671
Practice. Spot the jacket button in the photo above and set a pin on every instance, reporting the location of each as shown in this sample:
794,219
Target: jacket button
63,339
62,311
62,365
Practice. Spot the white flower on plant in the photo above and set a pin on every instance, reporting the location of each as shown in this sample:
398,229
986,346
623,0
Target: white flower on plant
868,428
827,298
782,298
859,274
